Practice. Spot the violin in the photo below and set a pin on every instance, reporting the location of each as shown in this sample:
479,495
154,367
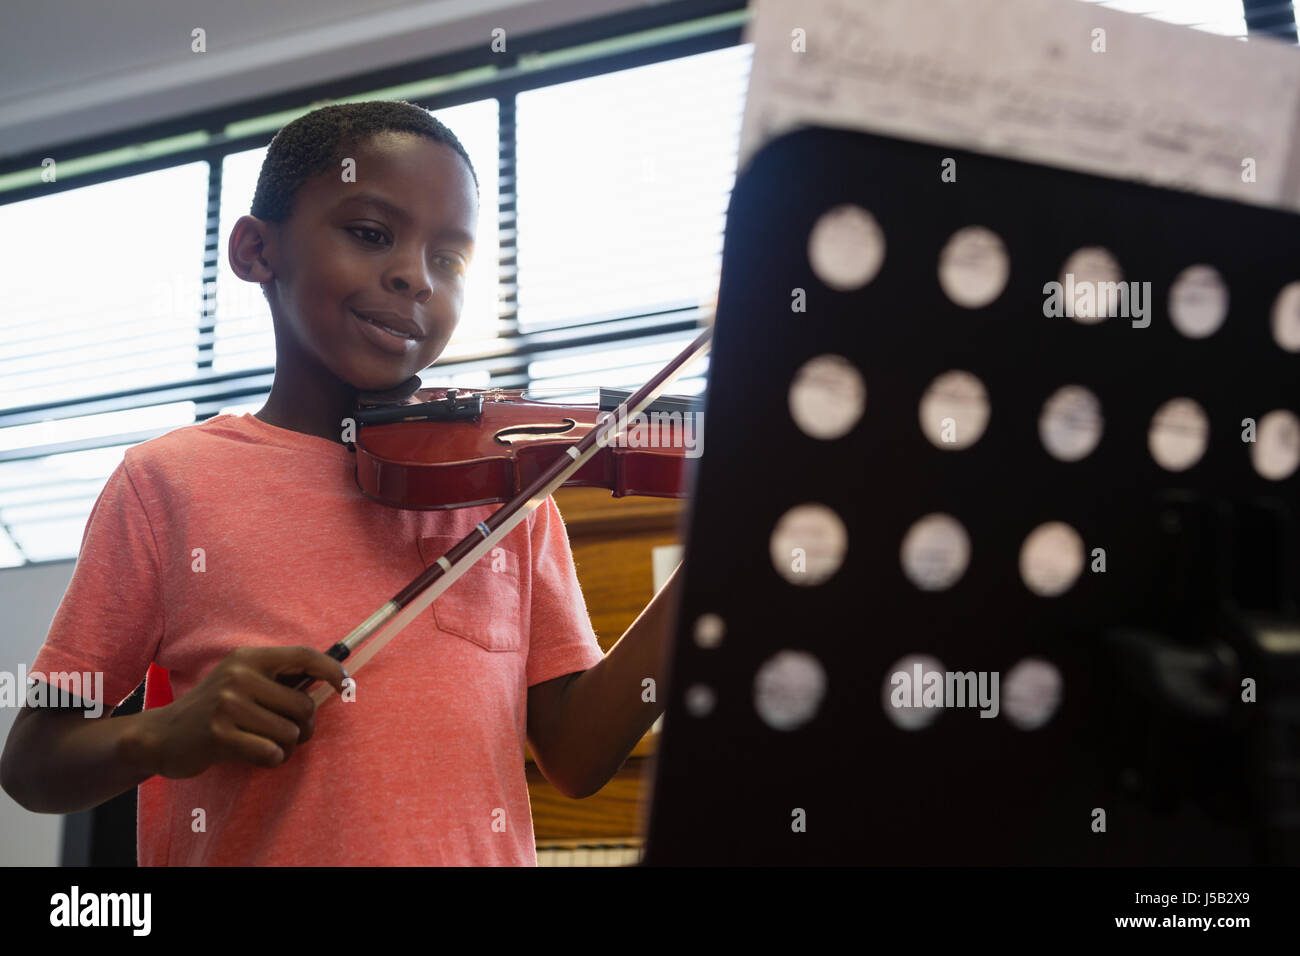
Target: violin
455,447
511,443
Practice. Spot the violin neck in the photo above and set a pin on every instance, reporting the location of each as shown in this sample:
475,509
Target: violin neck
611,398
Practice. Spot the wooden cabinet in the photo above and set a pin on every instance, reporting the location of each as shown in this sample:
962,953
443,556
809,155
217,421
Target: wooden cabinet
613,542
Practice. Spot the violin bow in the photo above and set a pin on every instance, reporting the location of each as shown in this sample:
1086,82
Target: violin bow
385,623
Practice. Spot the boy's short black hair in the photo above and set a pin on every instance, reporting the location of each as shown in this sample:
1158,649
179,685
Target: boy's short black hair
317,141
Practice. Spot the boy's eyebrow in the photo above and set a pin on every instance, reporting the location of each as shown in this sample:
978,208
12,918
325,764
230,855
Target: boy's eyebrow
397,212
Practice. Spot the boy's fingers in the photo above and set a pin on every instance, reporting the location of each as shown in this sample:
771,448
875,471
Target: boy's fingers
280,699
252,718
254,749
302,660
321,666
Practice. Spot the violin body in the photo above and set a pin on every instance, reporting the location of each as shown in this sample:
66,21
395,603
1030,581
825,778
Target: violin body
459,447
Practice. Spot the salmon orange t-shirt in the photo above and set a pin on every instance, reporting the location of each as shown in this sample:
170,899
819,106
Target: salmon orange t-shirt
237,533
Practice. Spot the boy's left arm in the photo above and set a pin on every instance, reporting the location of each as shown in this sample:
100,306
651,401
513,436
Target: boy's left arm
583,726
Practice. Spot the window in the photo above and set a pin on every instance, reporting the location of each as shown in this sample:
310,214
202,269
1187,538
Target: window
605,171
624,180
122,319
623,187
100,294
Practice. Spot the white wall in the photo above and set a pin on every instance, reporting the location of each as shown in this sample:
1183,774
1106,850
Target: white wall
29,597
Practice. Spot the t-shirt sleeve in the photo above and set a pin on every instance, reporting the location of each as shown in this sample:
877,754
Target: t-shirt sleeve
110,620
561,639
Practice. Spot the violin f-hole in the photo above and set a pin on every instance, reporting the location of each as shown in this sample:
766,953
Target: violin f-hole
503,436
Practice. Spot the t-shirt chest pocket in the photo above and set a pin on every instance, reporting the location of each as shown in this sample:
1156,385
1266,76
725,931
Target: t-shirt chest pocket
484,605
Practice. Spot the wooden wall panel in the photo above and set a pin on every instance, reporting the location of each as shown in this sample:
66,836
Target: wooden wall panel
612,539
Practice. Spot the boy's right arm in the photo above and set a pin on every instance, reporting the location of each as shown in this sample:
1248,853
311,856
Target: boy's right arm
60,761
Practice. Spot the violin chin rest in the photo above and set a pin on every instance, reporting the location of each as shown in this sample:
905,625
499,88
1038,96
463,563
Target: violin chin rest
390,396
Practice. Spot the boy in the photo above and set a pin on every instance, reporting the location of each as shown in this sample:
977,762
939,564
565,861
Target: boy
213,547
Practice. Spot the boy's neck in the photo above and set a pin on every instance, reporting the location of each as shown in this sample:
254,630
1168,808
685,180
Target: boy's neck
308,405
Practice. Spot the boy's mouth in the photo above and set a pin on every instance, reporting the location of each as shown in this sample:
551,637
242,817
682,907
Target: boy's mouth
395,325
385,336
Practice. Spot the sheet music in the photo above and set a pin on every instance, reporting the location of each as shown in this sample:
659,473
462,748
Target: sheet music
1162,104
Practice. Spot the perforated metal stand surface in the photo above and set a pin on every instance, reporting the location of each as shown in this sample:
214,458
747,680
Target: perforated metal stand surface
1128,696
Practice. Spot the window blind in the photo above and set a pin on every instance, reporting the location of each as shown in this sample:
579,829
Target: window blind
121,319
605,170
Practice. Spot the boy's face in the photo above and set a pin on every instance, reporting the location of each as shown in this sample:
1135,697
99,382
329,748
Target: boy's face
393,245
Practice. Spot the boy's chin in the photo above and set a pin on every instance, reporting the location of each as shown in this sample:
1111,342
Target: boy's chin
374,377
389,393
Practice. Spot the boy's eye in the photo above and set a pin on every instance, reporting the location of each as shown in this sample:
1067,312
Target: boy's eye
375,237
451,264
357,230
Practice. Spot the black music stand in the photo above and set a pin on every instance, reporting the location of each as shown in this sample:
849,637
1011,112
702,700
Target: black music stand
1198,590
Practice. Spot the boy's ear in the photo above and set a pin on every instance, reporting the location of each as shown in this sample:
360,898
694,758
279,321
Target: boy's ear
247,249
